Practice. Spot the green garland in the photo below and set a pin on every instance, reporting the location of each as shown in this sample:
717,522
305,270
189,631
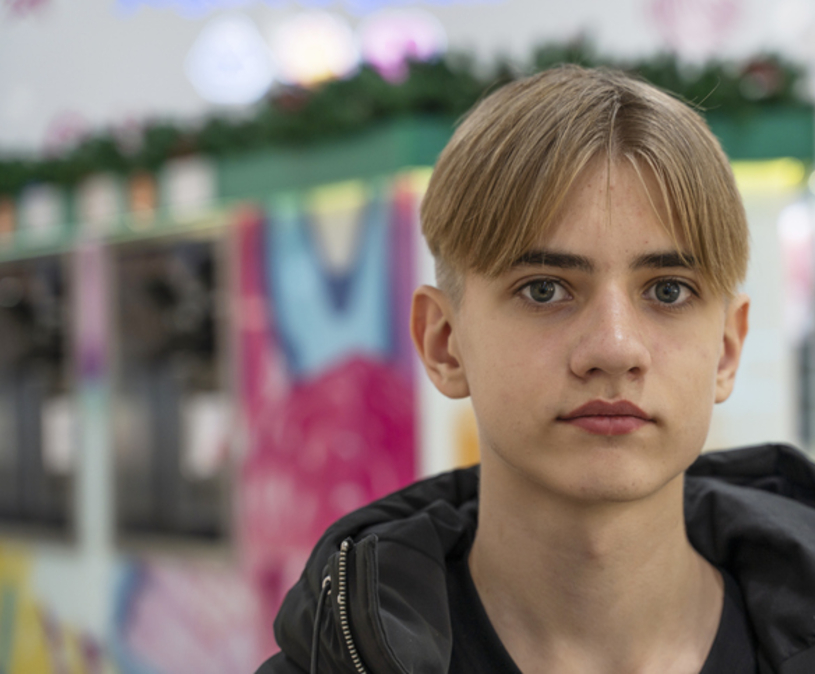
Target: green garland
296,117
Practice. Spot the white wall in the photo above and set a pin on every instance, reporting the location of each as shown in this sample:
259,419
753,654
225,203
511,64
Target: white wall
763,405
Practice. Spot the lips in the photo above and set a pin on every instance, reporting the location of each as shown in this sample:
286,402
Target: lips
607,418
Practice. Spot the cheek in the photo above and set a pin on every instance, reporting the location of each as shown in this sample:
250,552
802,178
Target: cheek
696,361
510,368
688,378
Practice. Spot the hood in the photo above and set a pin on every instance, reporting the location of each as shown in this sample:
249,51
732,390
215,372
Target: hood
749,510
752,512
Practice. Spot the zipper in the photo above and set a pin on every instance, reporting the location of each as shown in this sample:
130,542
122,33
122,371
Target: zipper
342,598
325,590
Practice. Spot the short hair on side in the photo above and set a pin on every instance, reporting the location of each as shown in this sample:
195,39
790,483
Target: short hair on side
503,177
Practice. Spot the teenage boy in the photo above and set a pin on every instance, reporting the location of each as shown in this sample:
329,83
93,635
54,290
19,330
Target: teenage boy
589,242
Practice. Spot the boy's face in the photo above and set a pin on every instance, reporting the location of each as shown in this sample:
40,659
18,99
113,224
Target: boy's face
594,363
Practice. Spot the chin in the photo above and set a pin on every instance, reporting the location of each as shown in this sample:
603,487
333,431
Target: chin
604,469
616,477
614,492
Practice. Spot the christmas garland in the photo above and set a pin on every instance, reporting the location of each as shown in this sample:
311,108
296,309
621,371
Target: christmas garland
449,87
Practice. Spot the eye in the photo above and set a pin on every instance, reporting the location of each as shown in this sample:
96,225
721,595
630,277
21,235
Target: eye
670,291
544,291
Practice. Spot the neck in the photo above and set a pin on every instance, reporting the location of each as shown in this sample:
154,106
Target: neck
596,587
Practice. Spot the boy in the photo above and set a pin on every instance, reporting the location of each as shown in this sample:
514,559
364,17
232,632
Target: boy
589,240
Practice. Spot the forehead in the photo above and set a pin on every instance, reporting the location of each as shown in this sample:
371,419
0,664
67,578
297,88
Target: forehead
612,208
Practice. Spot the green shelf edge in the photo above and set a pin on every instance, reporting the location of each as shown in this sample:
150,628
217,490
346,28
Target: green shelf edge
383,149
769,134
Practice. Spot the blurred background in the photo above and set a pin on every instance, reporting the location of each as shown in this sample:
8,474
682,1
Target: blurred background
208,244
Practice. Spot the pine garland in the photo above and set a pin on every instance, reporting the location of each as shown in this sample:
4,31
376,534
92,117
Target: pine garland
297,117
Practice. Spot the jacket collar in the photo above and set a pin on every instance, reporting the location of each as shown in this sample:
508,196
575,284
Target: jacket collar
750,511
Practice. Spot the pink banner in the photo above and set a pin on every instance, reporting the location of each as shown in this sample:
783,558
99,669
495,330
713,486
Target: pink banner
325,435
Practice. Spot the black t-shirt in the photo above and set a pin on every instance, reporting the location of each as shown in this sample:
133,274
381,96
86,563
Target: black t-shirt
478,650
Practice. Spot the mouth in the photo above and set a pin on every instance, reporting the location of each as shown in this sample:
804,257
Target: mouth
607,418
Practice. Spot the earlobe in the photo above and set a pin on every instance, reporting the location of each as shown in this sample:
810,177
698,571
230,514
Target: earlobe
735,330
431,328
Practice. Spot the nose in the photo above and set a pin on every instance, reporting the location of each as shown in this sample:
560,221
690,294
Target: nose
611,340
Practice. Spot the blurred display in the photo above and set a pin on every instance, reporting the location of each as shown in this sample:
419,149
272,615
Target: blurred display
172,410
37,412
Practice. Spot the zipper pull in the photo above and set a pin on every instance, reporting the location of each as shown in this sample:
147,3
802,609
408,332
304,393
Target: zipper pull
325,590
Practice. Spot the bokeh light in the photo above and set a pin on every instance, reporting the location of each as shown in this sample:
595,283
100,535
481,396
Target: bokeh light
313,47
230,63
393,37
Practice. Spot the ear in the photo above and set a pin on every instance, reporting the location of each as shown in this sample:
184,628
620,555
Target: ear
735,330
431,327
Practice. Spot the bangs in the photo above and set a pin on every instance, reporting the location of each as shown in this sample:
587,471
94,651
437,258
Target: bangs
505,175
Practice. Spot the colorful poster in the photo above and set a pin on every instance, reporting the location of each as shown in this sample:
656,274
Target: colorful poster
32,641
178,618
324,287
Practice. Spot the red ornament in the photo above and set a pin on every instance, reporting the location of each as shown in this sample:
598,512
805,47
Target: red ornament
695,28
21,8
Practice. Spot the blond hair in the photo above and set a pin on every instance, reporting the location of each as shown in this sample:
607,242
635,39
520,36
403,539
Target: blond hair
504,175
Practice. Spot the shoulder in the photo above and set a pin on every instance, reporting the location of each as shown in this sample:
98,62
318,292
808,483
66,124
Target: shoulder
758,495
395,564
751,511
445,503
763,492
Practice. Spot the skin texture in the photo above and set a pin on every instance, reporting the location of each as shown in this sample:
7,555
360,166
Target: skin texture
581,558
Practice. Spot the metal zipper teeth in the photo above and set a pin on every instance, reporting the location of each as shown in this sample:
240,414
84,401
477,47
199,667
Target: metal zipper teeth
341,596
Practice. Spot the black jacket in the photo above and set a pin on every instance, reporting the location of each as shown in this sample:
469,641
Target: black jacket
383,609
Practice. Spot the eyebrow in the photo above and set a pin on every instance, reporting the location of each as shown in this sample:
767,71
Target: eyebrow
547,258
668,259
665,260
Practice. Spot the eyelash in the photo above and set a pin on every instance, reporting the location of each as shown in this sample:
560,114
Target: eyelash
693,293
